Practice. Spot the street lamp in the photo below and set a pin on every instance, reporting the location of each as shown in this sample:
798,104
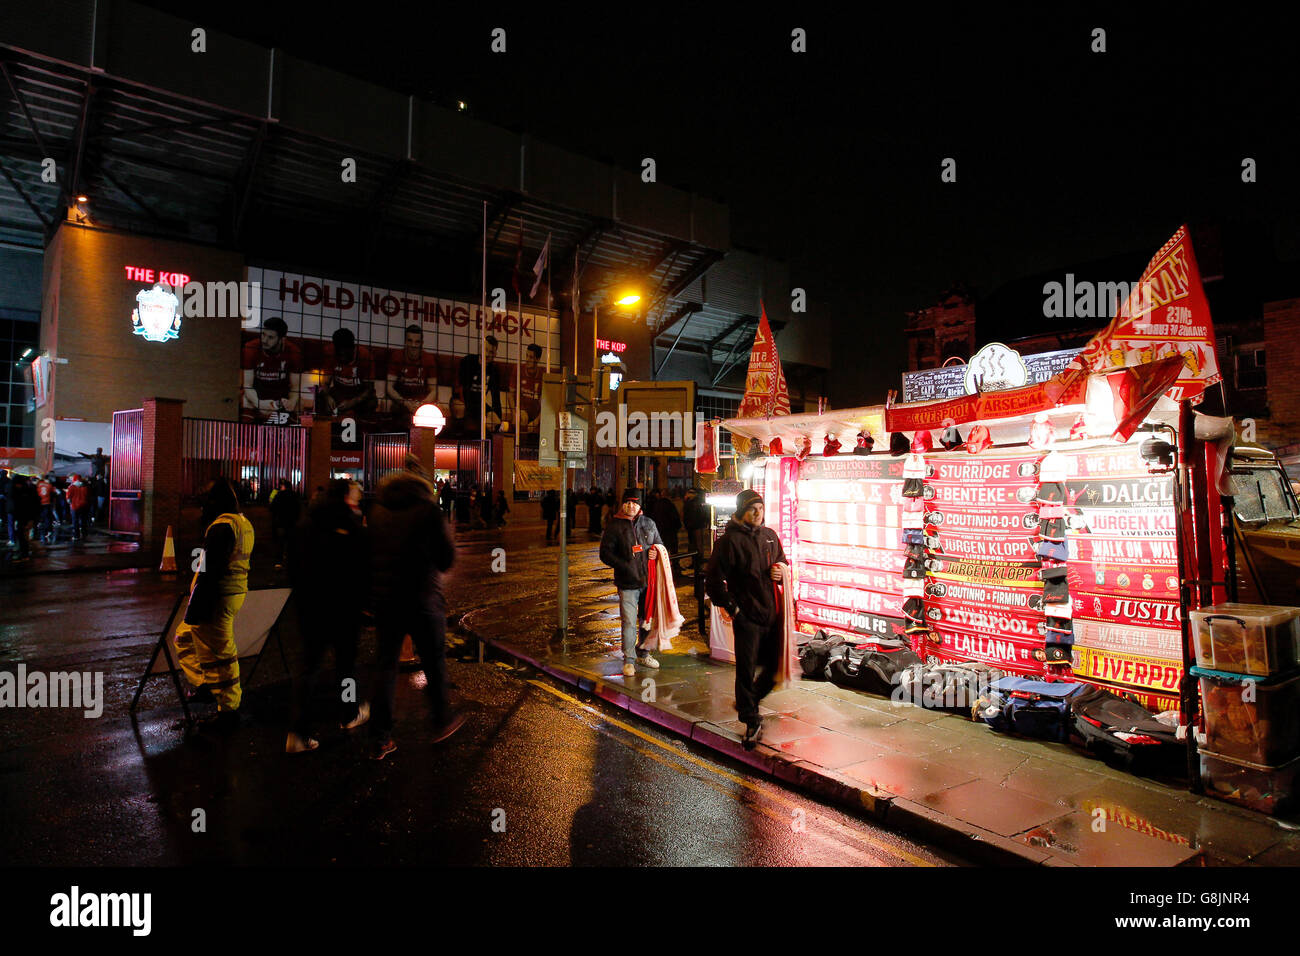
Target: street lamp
429,416
623,297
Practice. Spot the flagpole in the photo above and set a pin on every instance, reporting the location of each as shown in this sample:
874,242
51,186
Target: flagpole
482,348
549,304
519,350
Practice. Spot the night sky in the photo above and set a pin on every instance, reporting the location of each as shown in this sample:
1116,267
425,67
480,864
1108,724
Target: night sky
831,159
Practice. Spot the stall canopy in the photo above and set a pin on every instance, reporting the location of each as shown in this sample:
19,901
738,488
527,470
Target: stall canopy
844,424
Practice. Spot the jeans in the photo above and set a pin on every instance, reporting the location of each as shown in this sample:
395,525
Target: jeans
47,519
758,649
631,604
428,630
81,522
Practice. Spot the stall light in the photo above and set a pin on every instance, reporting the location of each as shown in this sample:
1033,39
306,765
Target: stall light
721,501
27,353
83,198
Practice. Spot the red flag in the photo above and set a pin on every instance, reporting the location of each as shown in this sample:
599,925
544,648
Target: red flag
1166,315
765,389
1136,389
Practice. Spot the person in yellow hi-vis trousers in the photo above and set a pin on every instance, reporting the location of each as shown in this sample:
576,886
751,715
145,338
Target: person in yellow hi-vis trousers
205,641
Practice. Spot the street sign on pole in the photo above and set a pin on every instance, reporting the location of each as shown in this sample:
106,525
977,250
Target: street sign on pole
571,441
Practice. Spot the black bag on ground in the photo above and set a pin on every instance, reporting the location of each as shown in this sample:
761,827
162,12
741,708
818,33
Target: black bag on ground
874,666
815,653
949,686
1109,723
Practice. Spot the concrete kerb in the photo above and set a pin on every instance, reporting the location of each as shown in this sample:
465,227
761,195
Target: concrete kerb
883,808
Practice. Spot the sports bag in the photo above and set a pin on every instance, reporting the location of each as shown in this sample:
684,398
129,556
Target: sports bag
1108,723
815,653
1032,708
953,686
874,666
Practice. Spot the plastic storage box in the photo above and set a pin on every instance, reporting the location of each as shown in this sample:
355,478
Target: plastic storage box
1250,718
1247,638
1257,786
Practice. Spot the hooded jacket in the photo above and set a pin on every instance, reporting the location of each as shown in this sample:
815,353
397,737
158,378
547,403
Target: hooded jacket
618,549
411,546
738,576
329,557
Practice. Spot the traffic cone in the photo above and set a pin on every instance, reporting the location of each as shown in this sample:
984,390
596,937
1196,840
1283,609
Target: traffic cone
169,554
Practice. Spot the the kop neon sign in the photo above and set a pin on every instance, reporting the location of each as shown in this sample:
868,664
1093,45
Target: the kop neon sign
141,274
616,347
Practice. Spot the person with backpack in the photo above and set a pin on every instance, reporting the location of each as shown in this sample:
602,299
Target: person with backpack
741,582
625,547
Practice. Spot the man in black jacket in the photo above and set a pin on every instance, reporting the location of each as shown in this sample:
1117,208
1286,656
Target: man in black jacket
329,566
625,547
741,573
695,516
411,546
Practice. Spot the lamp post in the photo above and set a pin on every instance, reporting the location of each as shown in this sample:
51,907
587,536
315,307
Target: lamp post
624,297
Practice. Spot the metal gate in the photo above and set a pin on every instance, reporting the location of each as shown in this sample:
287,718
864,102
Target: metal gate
242,452
126,473
385,453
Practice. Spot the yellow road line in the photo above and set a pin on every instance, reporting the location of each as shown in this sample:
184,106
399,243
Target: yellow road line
741,781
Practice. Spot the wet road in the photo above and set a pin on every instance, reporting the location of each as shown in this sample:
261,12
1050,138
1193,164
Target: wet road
540,775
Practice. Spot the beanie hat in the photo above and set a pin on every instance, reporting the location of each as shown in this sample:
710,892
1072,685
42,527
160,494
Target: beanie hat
898,444
774,447
745,499
978,440
1041,433
922,442
631,494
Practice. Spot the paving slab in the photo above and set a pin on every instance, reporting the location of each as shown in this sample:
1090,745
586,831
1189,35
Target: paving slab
907,775
1085,840
991,806
832,750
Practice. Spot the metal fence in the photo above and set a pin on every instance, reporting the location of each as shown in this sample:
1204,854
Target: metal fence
243,452
126,476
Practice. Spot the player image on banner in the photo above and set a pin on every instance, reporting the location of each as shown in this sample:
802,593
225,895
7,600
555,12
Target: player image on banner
412,380
465,405
530,395
348,389
272,367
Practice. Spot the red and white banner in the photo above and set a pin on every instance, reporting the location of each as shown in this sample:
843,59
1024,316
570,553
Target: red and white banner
859,491
1166,315
1126,671
706,449
880,516
1125,611
847,556
873,602
987,545
1143,579
866,578
852,468
979,496
859,622
1015,472
1004,573
985,406
857,535
999,650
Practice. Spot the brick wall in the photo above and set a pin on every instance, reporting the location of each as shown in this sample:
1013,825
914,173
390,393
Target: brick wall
1282,346
161,470
109,367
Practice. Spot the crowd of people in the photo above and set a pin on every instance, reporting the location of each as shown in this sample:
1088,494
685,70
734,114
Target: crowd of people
48,507
343,565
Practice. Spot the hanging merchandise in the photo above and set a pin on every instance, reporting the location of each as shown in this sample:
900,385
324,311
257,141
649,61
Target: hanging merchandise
831,446
706,448
1079,429
979,440
951,438
774,448
913,476
898,444
803,447
922,442
865,444
1041,433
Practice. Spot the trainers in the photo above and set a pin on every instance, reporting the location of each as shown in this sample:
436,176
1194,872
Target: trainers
645,660
629,669
382,748
363,714
450,727
297,744
753,732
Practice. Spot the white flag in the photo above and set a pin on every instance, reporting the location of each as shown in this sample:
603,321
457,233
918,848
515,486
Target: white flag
540,266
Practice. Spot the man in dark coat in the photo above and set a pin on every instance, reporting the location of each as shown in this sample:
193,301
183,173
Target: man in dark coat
595,504
625,547
286,508
329,567
740,584
551,512
23,506
411,547
695,517
667,521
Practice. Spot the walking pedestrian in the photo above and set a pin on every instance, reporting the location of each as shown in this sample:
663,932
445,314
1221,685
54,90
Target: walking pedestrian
666,520
695,518
329,567
411,547
611,504
79,505
286,509
551,512
625,547
45,495
99,494
595,504
205,641
741,575
500,509
571,507
24,507
5,483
